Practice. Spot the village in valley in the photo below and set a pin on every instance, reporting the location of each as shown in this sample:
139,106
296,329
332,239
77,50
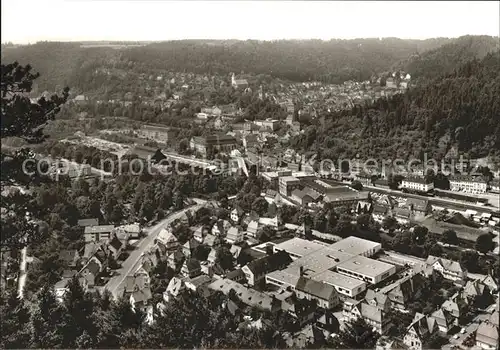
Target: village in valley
207,208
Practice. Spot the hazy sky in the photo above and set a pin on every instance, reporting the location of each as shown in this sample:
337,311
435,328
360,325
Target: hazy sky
25,21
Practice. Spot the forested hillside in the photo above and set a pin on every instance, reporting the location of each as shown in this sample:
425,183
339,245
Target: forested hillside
59,64
449,56
459,109
333,61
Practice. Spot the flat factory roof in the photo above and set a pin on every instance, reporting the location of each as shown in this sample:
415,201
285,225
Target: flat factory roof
339,280
321,260
366,266
299,246
355,245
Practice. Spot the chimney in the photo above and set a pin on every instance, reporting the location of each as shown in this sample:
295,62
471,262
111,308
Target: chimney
269,249
301,271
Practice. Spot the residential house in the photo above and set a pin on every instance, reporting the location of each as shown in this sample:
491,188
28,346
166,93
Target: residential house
189,247
450,269
419,207
98,233
473,289
166,240
140,299
237,275
138,281
115,247
235,251
175,260
379,212
237,214
377,299
61,287
221,227
195,283
238,83
416,183
302,310
389,343
325,294
495,186
199,234
444,320
247,296
468,184
175,287
372,316
191,268
133,230
454,307
421,328
402,215
491,283
252,228
256,270
69,257
487,336
404,290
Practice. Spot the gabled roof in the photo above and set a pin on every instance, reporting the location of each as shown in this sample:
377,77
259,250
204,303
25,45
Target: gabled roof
166,236
449,265
209,240
473,288
199,280
235,274
418,204
238,210
422,325
235,251
318,289
487,333
142,295
115,243
370,312
192,265
443,318
253,226
269,263
175,285
373,297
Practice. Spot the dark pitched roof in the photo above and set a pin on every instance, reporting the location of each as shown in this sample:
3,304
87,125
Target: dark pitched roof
316,288
115,243
235,274
270,262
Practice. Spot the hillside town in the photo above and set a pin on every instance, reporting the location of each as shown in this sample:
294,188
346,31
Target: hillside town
250,193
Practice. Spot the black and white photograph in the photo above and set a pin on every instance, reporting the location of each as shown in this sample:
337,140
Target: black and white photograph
250,174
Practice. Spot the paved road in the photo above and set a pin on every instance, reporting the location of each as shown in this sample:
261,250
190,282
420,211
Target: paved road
22,273
115,284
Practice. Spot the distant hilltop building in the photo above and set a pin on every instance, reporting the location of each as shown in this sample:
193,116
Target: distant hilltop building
239,83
